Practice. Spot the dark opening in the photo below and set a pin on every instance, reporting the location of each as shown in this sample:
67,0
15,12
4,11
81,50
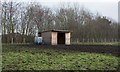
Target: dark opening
39,34
61,38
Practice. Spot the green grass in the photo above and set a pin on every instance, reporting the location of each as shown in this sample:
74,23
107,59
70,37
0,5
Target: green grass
96,43
25,58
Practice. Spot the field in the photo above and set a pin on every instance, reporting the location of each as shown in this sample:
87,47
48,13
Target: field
97,43
60,57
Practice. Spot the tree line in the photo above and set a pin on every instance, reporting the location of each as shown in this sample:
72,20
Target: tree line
20,21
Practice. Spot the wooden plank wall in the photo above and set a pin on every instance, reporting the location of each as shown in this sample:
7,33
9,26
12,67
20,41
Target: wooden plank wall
67,38
54,38
46,37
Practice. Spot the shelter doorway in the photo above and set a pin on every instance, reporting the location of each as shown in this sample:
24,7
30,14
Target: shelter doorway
61,38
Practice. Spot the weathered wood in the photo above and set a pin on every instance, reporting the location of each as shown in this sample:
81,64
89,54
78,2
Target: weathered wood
88,40
24,40
54,38
83,40
12,41
67,38
46,37
93,40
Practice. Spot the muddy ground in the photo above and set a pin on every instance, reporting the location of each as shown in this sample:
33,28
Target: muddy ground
112,49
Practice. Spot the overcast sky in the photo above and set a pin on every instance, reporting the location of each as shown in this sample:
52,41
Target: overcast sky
109,9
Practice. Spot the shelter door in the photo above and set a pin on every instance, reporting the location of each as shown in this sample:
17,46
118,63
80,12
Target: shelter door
61,38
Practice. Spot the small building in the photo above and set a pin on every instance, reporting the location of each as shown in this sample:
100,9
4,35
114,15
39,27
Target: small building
55,37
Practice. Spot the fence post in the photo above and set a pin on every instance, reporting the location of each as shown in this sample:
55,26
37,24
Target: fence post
24,40
12,41
93,40
115,40
101,40
97,40
83,39
88,40
109,40
105,40
112,40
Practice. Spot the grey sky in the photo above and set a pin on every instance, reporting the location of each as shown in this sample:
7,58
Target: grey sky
109,9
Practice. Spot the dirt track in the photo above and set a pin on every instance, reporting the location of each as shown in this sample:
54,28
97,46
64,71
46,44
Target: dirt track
113,49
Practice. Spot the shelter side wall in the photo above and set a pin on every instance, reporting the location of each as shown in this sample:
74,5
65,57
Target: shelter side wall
54,38
46,37
67,38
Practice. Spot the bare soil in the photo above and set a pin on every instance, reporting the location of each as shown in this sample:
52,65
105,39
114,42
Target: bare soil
112,49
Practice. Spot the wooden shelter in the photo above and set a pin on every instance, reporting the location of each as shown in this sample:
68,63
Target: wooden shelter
55,37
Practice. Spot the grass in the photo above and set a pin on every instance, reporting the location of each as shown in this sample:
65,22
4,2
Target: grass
96,43
25,58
